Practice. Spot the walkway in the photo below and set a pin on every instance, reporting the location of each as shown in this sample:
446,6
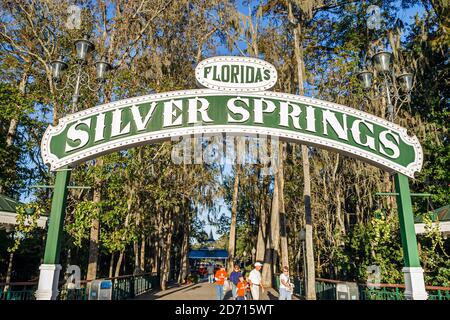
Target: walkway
199,291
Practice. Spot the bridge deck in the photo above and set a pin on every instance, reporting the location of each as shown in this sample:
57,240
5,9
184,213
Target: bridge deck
199,291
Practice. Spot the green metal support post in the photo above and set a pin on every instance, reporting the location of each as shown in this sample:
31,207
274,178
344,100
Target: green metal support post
413,272
50,269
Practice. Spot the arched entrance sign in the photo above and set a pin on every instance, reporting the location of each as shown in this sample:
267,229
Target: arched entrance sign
140,120
234,103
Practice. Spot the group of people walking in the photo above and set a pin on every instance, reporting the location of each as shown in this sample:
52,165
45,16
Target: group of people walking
248,288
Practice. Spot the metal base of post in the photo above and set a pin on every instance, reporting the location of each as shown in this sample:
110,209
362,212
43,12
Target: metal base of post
415,284
48,282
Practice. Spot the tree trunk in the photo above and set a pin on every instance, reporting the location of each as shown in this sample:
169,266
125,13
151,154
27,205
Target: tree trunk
298,50
111,265
155,258
266,275
93,250
310,268
184,261
11,132
283,231
14,122
9,271
165,262
232,240
339,210
136,251
339,215
275,224
142,257
167,233
119,263
138,215
388,188
95,228
261,242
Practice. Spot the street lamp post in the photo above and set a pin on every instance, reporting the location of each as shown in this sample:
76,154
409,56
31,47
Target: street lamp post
379,74
78,77
50,269
396,88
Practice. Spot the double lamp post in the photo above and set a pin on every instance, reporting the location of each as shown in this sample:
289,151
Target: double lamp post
76,78
381,77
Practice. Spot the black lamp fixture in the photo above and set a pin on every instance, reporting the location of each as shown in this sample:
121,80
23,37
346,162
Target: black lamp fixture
406,81
102,67
365,76
379,74
382,61
78,76
83,47
58,66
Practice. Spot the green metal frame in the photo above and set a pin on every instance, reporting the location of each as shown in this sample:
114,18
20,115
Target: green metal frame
127,287
57,214
406,220
396,194
327,291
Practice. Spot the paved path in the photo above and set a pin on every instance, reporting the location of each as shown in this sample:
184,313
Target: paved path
199,291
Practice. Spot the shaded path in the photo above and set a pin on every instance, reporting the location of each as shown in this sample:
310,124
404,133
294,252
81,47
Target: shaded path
199,291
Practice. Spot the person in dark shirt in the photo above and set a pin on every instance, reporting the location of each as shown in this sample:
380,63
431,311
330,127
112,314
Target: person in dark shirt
234,278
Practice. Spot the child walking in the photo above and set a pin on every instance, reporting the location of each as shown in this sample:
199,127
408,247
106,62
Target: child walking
242,286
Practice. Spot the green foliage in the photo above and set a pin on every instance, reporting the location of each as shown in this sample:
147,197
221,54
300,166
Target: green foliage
433,233
193,278
435,175
14,106
27,217
375,243
436,264
83,215
115,236
433,253
378,243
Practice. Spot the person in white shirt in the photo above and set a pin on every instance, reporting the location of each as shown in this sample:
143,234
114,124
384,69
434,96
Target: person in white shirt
286,287
210,273
254,279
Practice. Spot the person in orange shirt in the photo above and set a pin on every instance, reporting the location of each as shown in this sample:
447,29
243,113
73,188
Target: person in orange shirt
241,288
220,277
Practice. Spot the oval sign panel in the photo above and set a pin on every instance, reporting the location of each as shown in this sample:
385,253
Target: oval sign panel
228,73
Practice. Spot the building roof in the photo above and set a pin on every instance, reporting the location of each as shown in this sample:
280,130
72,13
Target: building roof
440,214
208,254
8,216
7,204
